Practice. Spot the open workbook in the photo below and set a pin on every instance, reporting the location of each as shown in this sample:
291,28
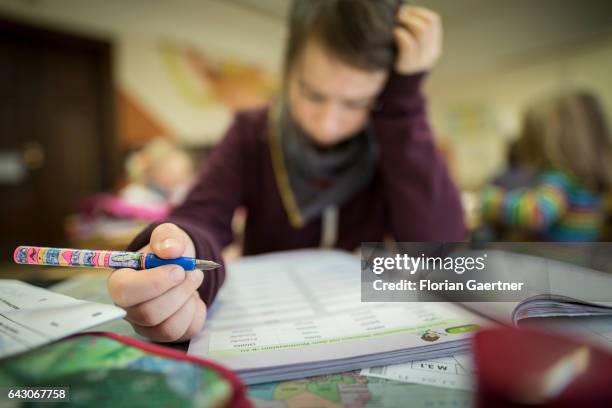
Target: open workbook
562,289
299,314
296,314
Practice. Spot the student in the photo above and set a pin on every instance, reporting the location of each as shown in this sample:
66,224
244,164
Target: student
344,156
566,144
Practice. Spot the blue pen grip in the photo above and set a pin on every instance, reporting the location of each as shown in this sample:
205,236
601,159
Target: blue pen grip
152,261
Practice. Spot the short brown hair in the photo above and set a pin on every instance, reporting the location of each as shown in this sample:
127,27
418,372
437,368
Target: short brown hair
359,32
568,132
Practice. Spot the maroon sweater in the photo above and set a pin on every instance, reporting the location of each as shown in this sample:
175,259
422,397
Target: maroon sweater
411,196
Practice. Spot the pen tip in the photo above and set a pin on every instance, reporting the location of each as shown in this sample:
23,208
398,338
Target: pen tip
206,265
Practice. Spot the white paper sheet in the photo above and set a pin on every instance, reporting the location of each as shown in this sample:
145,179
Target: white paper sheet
32,316
454,372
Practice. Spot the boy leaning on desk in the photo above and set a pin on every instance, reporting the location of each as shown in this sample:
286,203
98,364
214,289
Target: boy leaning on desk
344,155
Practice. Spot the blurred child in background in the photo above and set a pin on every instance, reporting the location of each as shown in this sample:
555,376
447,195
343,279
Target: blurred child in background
565,143
159,176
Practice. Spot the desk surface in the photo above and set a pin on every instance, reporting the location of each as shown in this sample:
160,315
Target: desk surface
336,390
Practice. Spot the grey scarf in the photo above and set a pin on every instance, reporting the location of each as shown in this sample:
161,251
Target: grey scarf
319,178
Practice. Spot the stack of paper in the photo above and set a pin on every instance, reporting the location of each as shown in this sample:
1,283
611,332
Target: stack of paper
297,314
455,372
31,316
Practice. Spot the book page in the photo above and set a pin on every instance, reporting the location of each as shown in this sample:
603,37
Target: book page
305,306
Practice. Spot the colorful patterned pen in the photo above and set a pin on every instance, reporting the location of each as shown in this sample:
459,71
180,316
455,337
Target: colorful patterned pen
102,259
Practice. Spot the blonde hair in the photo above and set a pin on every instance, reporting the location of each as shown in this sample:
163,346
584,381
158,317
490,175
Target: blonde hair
568,133
154,154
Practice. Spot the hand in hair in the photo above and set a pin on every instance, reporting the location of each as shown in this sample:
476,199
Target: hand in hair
419,39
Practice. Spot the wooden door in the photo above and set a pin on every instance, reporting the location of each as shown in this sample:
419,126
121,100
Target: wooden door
57,139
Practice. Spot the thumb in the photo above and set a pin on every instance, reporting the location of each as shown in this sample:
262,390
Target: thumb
168,241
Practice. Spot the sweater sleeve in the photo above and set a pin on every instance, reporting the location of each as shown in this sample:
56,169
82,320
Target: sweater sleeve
422,201
535,208
207,211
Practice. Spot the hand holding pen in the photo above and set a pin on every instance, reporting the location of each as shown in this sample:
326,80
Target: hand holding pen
162,304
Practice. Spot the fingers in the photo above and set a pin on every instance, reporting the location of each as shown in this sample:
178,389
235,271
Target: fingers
172,328
419,39
180,326
129,287
198,319
161,303
414,23
168,241
422,23
408,44
155,311
423,13
406,13
157,306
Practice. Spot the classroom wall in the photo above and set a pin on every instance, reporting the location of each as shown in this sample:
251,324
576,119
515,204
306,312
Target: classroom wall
191,91
175,61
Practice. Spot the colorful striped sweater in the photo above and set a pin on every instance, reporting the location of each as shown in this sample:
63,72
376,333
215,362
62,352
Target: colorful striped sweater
556,208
